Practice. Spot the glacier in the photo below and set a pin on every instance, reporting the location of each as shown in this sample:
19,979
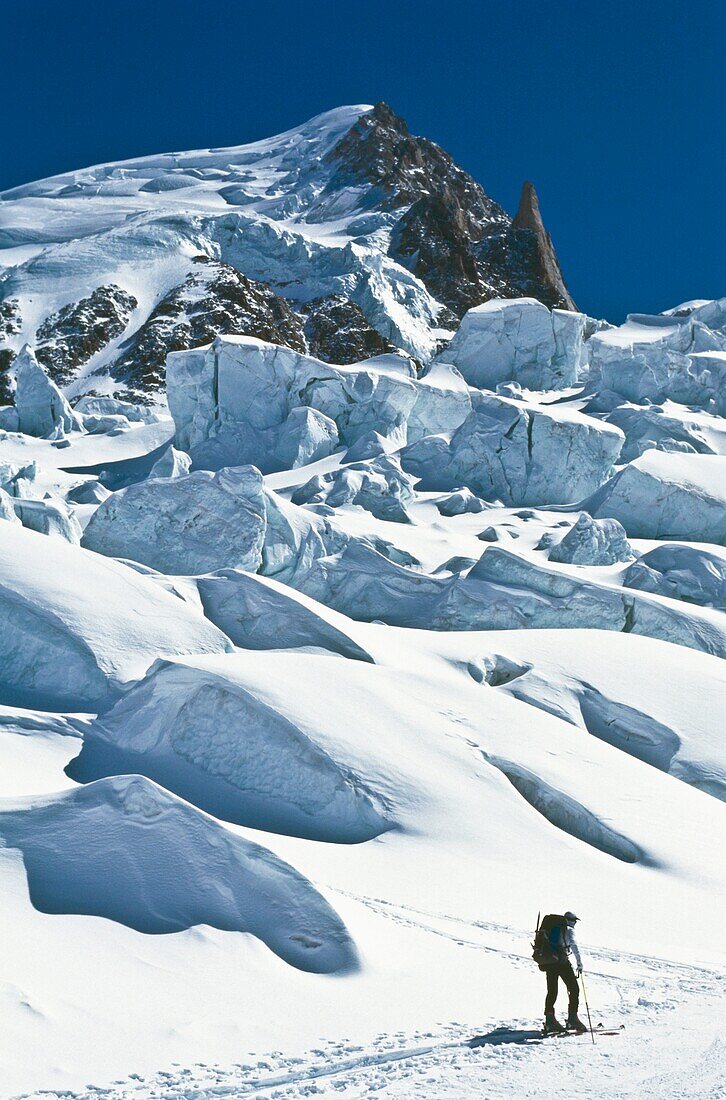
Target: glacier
360,597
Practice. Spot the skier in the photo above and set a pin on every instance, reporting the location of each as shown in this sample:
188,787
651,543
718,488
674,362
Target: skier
554,944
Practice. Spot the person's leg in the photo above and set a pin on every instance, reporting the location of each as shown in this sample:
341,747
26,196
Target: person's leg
573,989
552,983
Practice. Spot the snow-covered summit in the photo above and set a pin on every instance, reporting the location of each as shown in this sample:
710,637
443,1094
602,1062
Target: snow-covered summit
349,207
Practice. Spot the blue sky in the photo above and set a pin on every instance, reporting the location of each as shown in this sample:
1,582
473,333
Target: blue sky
615,110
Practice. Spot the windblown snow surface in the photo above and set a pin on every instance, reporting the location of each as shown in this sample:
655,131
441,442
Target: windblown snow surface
303,721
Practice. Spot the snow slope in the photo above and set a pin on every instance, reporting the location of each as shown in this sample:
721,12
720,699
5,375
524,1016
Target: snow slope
359,665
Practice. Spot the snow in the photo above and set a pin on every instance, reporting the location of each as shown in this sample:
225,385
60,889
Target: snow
518,340
42,408
519,452
139,223
668,495
193,523
126,850
356,669
77,626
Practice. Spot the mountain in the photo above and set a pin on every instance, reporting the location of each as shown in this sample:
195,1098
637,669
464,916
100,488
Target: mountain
374,602
345,237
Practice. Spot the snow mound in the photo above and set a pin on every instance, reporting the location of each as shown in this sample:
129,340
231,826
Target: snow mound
565,813
41,407
173,463
602,690
378,485
193,523
77,626
519,453
503,591
517,340
683,572
593,542
667,495
126,850
460,503
258,612
207,734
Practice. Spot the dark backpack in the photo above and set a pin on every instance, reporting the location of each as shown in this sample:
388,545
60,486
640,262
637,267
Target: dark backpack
548,948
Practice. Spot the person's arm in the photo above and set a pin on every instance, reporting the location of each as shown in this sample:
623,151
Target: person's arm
572,943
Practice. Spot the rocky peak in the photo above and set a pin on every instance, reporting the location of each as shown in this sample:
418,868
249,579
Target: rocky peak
10,326
380,150
451,234
545,267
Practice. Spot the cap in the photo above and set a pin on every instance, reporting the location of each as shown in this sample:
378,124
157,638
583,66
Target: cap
570,917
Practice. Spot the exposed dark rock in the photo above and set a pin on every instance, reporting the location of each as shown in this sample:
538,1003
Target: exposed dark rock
545,270
433,240
69,338
337,331
10,324
456,239
380,150
214,299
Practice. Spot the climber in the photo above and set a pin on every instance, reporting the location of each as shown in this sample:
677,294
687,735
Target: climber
554,946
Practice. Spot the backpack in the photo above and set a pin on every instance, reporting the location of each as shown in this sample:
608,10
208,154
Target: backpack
548,948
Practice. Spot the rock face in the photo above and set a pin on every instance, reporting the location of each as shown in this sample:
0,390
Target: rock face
518,453
667,495
593,542
42,408
10,325
541,265
69,338
517,341
336,331
457,240
192,524
683,573
379,485
214,299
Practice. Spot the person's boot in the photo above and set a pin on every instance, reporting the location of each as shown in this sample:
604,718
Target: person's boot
574,1023
552,1025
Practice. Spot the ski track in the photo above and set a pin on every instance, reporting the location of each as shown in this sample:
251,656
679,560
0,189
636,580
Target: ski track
442,1064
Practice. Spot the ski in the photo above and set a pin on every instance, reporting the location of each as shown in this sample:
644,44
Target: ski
599,1030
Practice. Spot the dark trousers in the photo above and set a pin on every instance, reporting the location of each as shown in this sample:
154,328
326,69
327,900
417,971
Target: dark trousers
554,973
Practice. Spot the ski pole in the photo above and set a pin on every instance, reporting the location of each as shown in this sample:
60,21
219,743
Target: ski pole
587,1007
